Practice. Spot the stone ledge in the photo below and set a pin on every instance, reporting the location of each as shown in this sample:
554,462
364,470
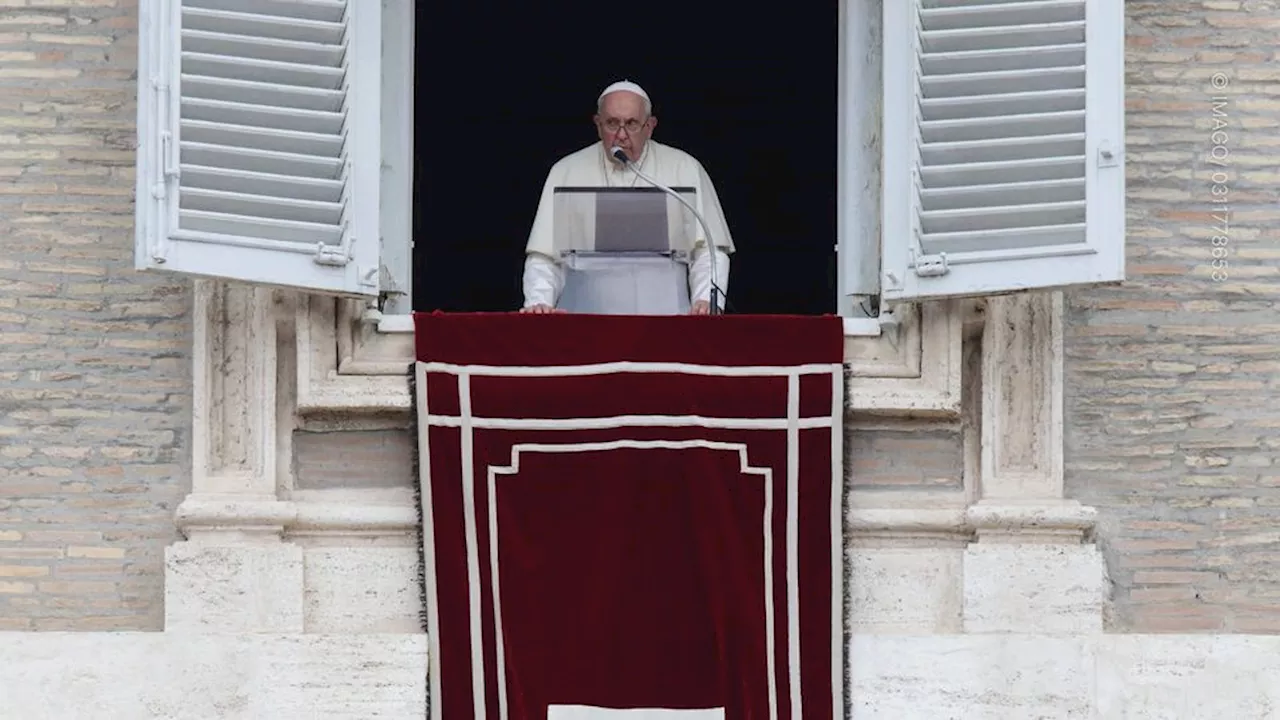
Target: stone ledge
1065,677
1054,522
1064,521
345,365
165,675
905,526
155,676
224,516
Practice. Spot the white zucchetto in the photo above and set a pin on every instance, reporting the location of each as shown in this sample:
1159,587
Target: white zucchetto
626,85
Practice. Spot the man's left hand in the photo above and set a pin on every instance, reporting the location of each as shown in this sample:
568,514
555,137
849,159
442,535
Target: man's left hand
700,307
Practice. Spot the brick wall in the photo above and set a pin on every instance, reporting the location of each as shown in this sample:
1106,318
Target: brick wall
1173,399
1173,380
94,358
364,459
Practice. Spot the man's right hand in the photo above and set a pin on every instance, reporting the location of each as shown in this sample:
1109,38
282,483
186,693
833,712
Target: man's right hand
540,309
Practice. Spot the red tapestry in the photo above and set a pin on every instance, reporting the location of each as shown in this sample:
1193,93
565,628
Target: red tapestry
631,512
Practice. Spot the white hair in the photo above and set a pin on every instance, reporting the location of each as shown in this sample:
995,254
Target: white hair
627,86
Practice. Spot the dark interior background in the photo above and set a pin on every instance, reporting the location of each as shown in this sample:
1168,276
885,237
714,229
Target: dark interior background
503,90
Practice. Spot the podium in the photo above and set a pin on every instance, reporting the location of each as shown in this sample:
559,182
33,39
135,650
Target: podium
625,250
631,516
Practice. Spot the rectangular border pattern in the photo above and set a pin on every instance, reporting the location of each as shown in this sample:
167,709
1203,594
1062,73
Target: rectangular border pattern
792,424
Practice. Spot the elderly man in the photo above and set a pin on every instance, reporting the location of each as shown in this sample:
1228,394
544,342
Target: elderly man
624,119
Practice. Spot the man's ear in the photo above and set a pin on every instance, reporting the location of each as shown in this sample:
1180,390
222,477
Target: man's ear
654,120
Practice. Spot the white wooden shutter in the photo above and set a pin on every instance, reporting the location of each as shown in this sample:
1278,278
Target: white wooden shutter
259,141
1003,146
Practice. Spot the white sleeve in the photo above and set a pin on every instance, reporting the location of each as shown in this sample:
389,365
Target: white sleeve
700,274
543,280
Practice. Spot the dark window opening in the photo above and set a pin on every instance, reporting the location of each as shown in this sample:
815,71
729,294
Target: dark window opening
504,90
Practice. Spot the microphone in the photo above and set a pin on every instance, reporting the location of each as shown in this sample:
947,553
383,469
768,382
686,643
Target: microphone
621,156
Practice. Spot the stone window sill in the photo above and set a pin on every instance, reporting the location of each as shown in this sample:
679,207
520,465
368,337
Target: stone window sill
346,364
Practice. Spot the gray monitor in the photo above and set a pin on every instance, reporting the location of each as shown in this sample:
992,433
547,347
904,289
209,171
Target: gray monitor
592,219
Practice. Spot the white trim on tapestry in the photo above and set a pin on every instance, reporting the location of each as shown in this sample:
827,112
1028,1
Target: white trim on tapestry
621,421
745,467
628,366
467,449
429,550
851,327
793,542
495,587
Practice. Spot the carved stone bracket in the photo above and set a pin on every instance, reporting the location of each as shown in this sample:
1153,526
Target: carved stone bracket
347,366
234,389
1021,477
364,350
1022,384
913,368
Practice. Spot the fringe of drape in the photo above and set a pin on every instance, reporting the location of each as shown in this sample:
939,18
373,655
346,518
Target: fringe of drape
417,505
846,570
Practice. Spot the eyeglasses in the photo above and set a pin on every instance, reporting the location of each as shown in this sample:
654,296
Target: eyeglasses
613,125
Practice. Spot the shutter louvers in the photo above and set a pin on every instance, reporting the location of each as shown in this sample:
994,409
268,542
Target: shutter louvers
999,137
261,120
277,153
1002,124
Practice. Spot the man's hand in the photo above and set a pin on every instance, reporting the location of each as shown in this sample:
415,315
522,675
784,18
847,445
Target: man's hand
700,307
540,309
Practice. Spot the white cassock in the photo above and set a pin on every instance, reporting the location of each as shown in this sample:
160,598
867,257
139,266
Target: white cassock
544,274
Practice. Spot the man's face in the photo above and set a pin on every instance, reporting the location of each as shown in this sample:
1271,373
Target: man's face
622,122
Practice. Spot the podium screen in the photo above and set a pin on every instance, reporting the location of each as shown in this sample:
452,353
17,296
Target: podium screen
622,220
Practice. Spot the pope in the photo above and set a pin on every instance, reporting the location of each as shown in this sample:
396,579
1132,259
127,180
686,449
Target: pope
624,119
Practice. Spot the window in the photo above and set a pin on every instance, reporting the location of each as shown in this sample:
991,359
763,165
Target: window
762,120
275,140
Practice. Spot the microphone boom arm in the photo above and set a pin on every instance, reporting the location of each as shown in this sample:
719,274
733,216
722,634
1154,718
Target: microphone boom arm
621,156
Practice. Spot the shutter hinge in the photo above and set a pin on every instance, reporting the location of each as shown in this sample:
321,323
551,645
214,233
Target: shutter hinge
168,153
331,256
164,165
169,157
932,265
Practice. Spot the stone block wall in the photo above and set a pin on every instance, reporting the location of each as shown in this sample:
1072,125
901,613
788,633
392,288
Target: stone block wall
1173,380
1172,389
95,386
